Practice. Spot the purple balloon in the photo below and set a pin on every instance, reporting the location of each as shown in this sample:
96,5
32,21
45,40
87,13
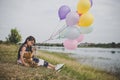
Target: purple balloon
72,18
63,11
91,2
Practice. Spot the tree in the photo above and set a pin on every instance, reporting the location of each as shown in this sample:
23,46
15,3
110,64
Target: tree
1,41
14,36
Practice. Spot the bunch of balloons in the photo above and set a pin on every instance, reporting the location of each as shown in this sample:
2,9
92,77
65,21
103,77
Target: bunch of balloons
78,23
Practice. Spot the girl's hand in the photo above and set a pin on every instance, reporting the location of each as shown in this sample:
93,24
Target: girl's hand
27,65
33,48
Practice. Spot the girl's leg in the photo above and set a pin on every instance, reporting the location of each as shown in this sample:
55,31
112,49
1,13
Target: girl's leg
50,66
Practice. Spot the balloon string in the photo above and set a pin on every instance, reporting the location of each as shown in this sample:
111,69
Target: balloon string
54,30
50,38
59,31
53,35
47,40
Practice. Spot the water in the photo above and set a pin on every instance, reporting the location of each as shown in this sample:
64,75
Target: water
107,59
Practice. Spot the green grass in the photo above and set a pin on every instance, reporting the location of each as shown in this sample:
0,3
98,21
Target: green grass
72,70
9,70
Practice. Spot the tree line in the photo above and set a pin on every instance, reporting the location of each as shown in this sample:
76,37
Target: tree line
102,45
15,37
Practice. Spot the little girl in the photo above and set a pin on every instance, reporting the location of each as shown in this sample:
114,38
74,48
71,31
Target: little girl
26,49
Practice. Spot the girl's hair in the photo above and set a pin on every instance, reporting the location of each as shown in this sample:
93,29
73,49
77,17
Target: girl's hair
30,38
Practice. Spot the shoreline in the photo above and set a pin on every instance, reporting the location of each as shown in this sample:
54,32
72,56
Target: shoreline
73,64
104,59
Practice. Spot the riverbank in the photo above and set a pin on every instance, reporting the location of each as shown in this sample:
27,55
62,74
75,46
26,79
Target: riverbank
106,59
72,70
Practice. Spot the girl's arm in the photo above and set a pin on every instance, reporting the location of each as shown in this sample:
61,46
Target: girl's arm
33,51
21,56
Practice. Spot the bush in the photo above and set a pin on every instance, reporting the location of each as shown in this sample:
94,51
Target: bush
14,36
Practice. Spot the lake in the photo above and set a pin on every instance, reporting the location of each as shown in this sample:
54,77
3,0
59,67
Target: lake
107,59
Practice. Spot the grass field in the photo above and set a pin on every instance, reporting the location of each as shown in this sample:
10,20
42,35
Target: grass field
72,70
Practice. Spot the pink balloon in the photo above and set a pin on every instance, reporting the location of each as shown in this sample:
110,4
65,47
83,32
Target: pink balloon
80,38
70,44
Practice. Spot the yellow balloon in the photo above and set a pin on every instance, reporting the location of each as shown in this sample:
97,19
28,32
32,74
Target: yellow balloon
86,20
83,6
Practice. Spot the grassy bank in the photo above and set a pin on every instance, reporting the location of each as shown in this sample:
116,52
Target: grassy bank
72,70
75,69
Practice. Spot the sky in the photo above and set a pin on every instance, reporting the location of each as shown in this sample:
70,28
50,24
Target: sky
39,18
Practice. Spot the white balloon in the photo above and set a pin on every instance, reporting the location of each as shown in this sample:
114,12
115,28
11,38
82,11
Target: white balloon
85,30
72,32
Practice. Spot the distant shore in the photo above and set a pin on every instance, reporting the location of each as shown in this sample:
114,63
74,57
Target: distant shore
100,45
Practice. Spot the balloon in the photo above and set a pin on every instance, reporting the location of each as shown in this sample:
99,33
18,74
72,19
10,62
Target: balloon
72,18
63,11
83,6
70,44
86,20
91,2
80,38
85,30
72,32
